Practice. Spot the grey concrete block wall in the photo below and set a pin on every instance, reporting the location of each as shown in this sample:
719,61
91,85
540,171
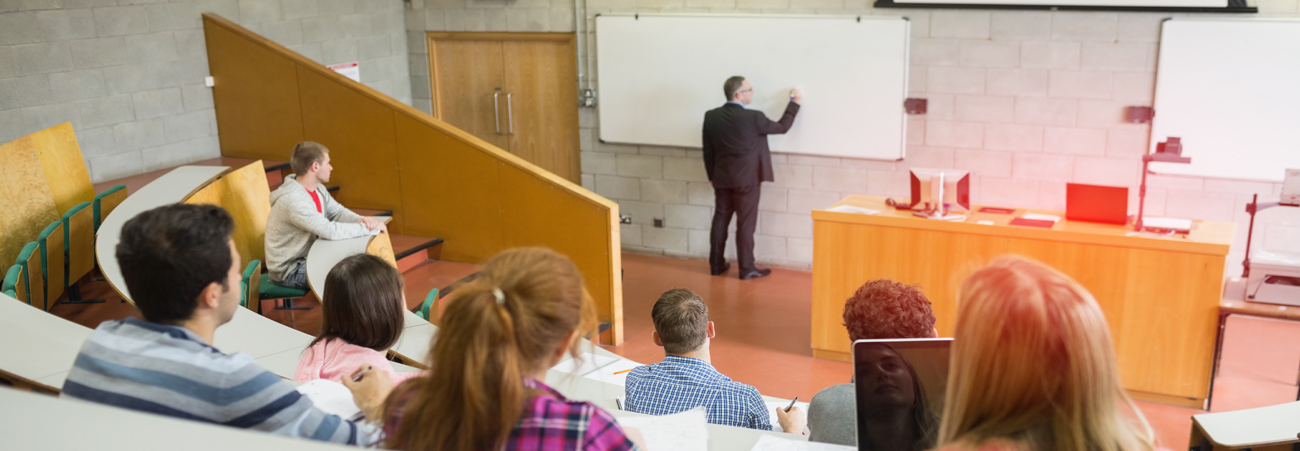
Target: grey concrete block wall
130,76
1027,100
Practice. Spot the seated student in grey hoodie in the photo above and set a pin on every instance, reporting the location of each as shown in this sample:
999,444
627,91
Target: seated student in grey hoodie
880,309
301,211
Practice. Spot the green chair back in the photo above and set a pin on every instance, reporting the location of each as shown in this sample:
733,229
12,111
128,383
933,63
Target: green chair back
427,306
35,283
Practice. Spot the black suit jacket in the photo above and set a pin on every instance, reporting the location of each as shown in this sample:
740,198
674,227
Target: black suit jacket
735,144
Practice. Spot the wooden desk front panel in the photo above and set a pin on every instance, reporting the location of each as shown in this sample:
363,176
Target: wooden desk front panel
1160,305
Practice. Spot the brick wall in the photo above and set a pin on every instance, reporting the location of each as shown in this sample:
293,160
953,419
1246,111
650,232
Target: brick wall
129,74
1028,100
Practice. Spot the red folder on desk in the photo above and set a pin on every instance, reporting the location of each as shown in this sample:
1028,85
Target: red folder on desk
1032,223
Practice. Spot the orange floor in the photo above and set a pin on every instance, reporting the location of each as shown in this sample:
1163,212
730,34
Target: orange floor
764,327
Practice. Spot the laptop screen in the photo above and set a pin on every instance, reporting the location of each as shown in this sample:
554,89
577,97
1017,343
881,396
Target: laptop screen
900,380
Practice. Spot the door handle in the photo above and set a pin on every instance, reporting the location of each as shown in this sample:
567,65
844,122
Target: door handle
510,113
496,109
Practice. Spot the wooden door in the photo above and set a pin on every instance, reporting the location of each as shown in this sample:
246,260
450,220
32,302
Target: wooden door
542,92
517,91
468,87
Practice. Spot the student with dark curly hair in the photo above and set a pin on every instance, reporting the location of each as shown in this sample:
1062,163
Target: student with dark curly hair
880,309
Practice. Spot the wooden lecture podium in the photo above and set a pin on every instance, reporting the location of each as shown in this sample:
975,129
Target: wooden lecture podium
1160,295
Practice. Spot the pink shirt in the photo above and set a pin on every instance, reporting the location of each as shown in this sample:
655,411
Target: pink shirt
334,358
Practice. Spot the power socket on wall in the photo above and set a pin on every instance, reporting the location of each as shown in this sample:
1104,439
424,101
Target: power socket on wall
624,219
659,223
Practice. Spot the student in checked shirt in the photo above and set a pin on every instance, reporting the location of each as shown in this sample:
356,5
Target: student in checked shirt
499,335
686,379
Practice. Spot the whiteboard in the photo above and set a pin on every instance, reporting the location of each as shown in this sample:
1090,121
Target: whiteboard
658,75
1231,90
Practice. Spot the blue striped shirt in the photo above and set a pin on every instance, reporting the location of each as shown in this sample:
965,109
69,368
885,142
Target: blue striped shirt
678,384
169,370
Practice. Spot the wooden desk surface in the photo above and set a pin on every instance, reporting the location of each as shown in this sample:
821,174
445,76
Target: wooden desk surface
1206,237
34,344
1159,294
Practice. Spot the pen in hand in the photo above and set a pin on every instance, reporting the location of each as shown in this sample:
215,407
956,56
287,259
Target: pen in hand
787,408
357,377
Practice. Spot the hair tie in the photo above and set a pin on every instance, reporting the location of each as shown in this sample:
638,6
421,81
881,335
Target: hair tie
501,297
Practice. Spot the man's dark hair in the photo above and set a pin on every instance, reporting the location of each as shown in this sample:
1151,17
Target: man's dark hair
170,254
682,320
883,309
363,303
305,154
732,85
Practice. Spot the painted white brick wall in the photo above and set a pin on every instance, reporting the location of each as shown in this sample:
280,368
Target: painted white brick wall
130,77
1027,100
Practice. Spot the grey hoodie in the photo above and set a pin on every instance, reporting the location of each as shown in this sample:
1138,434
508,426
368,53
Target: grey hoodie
294,224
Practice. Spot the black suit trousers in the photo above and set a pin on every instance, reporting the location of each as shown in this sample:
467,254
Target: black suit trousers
743,202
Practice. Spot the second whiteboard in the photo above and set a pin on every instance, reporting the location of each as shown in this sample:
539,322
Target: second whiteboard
658,74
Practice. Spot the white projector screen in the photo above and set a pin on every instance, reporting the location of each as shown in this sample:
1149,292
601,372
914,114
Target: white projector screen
1231,90
658,74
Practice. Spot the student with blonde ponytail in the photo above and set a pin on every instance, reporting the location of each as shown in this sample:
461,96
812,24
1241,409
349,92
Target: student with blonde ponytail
498,336
1033,368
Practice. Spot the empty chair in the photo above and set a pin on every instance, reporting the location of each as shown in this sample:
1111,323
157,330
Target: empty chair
13,285
106,201
250,298
79,240
29,259
53,262
426,308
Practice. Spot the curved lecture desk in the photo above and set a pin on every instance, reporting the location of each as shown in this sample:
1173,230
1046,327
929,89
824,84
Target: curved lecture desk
275,346
418,333
1160,294
34,421
36,347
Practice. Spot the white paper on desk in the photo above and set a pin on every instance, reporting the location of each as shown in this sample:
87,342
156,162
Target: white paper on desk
852,209
771,412
683,431
768,442
1041,217
606,373
590,362
331,397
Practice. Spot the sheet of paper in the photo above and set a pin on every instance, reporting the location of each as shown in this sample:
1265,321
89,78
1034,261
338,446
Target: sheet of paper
331,397
771,412
614,373
768,442
852,209
1041,217
589,362
683,431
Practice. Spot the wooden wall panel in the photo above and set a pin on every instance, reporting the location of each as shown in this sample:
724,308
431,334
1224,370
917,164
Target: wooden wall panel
64,166
358,130
389,155
433,165
27,205
256,97
242,193
567,225
936,261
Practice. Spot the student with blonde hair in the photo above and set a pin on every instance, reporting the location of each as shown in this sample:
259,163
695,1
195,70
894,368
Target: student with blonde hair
499,335
1033,367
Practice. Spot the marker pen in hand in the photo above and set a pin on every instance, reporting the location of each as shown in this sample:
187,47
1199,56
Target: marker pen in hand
357,377
787,408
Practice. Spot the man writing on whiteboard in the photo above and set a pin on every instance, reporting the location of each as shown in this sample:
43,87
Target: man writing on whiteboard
737,160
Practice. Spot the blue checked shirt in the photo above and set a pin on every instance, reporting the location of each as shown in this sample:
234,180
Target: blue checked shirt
682,383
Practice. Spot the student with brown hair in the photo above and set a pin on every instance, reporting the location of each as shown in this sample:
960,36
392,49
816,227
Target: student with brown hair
361,319
1033,367
303,210
499,336
686,379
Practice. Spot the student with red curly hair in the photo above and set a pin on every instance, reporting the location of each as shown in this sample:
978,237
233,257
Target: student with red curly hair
880,309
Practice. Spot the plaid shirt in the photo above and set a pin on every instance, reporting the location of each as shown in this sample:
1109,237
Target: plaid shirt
552,423
682,383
